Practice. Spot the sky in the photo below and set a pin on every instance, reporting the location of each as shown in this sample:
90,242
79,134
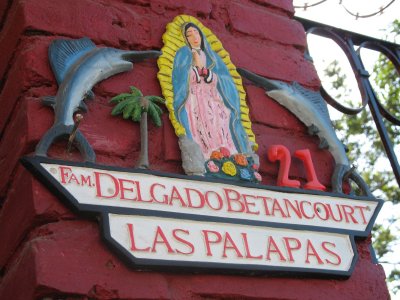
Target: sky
331,12
334,14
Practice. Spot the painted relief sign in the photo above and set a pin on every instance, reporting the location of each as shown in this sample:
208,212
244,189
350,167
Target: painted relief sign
152,218
218,216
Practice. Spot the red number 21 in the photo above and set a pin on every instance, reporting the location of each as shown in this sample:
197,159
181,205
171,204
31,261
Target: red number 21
282,154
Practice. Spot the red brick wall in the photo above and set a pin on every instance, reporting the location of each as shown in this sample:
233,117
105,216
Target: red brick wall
45,249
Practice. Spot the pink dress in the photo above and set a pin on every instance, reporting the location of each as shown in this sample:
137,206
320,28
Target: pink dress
207,114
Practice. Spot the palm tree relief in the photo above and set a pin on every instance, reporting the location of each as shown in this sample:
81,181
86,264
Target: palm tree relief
137,107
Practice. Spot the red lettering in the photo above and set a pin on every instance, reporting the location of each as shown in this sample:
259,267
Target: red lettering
73,178
208,241
303,211
361,208
139,194
64,174
220,201
333,216
249,204
247,248
235,200
349,213
290,247
200,198
153,197
114,180
273,248
339,260
86,180
183,241
123,187
312,252
162,241
264,199
276,207
132,238
317,211
230,244
295,209
176,196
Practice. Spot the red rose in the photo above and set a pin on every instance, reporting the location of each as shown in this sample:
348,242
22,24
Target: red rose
225,151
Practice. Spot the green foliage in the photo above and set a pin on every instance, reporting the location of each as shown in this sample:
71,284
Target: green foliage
382,240
394,276
362,139
132,105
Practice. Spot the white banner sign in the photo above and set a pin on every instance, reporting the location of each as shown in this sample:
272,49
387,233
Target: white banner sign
166,220
157,193
247,247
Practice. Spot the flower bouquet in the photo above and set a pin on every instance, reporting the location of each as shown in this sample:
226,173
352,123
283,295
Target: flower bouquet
236,166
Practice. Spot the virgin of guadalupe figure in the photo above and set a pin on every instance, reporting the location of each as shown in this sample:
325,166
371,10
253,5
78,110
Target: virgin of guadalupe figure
204,95
206,100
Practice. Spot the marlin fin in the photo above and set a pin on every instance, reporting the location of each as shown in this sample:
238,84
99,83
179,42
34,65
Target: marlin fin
312,129
89,95
82,106
323,144
64,53
137,56
49,101
314,98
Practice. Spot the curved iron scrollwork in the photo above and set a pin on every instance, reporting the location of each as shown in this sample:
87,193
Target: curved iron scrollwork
346,46
357,15
347,41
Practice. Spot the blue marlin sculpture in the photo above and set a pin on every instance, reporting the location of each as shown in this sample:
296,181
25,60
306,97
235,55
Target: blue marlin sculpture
78,65
310,108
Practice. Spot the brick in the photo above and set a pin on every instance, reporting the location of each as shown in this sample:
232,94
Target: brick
47,250
12,146
28,74
60,252
273,61
106,133
27,205
9,36
19,282
267,111
74,247
359,286
4,6
262,23
285,5
172,151
15,219
201,7
112,24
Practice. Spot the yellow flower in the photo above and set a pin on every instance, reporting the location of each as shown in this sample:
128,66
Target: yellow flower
229,168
